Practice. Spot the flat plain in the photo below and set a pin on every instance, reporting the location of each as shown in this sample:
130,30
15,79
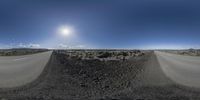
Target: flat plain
109,75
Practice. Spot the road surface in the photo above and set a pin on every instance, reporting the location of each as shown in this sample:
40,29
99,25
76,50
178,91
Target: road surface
20,70
184,70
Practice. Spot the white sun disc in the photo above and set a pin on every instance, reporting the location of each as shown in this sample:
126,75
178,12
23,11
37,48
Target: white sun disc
65,31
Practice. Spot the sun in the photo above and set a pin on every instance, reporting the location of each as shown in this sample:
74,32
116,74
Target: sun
65,31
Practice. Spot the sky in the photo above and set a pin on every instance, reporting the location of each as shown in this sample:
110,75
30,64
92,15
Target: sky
118,24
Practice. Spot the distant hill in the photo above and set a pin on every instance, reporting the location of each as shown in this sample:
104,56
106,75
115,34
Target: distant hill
20,51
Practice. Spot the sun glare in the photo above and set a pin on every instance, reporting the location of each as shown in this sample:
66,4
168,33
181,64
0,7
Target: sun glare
65,31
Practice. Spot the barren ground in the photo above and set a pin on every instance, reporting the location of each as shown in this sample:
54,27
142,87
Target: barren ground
68,79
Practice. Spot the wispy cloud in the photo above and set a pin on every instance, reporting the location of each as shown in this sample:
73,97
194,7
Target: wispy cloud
63,46
66,46
171,46
3,46
30,45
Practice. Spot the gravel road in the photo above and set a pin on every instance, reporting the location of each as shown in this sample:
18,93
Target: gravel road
184,70
20,70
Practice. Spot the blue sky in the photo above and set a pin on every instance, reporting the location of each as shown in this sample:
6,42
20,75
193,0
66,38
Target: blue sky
134,24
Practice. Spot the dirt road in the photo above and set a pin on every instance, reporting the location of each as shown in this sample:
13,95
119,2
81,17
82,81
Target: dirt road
184,70
19,70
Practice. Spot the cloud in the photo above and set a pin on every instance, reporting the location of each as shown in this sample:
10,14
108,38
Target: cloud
30,45
21,45
34,45
5,46
171,46
65,46
62,46
80,46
